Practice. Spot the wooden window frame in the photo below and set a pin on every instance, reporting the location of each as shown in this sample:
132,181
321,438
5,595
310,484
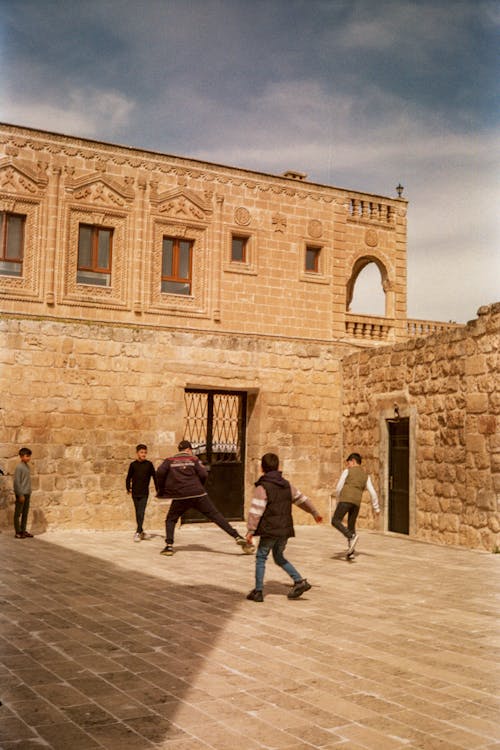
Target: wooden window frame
316,250
174,277
18,260
244,248
94,267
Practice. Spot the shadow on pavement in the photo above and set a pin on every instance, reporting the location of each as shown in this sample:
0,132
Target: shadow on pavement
93,655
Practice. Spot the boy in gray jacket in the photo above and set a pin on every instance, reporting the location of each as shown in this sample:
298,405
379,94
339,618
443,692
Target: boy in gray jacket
22,491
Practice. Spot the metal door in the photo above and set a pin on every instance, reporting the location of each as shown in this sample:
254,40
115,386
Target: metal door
399,495
215,424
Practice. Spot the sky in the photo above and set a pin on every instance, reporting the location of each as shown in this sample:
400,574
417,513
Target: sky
357,94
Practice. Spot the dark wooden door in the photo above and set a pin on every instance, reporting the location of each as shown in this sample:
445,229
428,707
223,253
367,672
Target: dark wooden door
215,424
399,474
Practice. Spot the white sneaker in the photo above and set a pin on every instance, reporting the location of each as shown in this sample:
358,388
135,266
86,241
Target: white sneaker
137,537
352,543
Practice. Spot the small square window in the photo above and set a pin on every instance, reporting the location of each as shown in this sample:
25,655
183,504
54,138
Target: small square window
11,243
239,249
312,259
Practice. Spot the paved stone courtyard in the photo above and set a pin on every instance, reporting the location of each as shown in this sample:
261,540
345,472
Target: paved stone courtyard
107,644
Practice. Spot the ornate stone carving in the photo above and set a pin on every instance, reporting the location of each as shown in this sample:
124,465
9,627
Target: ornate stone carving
181,204
371,238
20,179
279,222
99,189
315,228
242,216
99,193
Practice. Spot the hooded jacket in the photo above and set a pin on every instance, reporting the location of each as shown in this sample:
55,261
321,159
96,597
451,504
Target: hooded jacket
276,521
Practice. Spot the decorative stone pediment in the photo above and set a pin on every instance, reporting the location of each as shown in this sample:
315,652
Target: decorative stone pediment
99,189
181,204
20,179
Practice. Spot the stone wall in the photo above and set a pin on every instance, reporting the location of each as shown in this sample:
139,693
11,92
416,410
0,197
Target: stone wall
447,385
81,396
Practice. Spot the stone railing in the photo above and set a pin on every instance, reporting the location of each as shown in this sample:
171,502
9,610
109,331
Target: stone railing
427,327
370,210
368,327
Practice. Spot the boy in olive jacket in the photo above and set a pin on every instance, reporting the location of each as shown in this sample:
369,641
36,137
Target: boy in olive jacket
352,483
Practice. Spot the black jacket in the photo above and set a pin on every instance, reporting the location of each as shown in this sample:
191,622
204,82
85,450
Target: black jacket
181,476
277,519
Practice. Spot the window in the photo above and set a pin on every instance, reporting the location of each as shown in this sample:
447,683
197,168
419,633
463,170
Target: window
12,243
312,259
176,266
239,249
94,255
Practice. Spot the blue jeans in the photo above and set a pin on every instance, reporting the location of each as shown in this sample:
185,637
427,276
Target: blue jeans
277,546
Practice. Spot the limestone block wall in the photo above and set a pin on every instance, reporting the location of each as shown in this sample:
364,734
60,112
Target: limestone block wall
82,395
447,385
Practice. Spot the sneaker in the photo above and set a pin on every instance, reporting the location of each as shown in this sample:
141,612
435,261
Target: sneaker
168,550
247,549
255,595
144,536
19,536
26,535
137,537
298,589
352,543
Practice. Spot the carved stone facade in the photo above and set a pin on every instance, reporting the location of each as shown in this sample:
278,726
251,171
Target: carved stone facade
90,370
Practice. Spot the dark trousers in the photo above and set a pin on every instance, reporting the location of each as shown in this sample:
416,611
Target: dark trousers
140,502
202,504
340,511
21,511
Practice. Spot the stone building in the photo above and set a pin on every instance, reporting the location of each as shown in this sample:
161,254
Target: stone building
148,297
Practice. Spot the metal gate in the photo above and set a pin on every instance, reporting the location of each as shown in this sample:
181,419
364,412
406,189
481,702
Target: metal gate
215,424
399,474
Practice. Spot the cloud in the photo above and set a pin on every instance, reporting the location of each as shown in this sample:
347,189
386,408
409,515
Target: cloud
81,113
356,94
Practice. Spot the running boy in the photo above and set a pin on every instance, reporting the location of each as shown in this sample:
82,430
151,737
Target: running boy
349,491
270,517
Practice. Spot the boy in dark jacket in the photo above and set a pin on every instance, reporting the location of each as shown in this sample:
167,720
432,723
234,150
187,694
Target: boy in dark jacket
140,473
270,517
182,478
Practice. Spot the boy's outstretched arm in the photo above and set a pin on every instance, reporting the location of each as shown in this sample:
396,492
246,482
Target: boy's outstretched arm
303,502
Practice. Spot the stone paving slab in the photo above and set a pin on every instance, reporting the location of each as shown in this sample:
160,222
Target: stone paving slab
107,644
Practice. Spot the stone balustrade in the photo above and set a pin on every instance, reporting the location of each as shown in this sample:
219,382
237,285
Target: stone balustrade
368,327
370,210
427,327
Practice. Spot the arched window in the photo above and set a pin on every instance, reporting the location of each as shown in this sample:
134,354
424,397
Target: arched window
366,288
